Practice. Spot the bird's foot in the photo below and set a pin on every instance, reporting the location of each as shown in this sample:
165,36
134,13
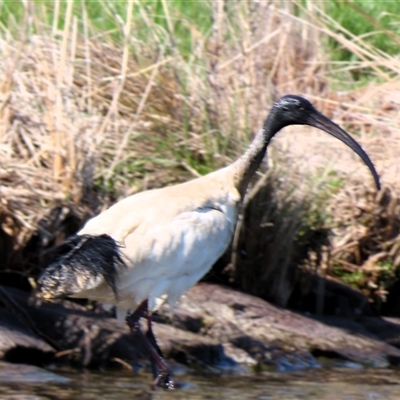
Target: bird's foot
164,380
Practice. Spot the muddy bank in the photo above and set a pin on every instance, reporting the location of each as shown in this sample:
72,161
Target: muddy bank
212,327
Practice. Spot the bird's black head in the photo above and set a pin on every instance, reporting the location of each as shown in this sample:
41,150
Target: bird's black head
296,110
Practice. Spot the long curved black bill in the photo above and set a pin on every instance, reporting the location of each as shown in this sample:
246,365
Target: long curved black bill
318,120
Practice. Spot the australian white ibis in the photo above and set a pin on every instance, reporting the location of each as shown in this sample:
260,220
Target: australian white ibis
151,247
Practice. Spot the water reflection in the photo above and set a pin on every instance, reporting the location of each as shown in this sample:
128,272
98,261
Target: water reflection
321,384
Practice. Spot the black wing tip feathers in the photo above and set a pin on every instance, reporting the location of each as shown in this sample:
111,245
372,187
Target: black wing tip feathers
83,262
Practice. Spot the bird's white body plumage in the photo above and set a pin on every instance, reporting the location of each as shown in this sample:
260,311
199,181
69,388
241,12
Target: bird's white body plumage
167,252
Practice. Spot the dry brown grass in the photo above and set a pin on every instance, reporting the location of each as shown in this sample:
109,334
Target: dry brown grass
86,120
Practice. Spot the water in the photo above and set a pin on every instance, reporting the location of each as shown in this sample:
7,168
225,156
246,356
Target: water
321,384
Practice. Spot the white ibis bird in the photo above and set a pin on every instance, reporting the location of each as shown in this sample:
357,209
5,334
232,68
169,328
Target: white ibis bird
151,247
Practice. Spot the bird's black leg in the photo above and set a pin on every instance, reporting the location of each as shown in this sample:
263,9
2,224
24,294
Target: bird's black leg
160,368
150,334
152,339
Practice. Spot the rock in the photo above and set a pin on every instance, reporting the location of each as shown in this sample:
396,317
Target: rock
212,327
270,334
15,337
68,330
28,374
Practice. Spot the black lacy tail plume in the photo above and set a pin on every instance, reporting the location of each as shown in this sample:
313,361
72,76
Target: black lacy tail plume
83,262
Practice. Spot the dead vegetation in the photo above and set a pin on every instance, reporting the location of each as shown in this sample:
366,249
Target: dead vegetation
86,120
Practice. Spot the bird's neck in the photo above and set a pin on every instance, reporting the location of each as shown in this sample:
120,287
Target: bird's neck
248,163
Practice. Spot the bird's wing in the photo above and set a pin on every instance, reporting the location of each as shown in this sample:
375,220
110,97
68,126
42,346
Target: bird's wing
168,258
160,206
174,233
